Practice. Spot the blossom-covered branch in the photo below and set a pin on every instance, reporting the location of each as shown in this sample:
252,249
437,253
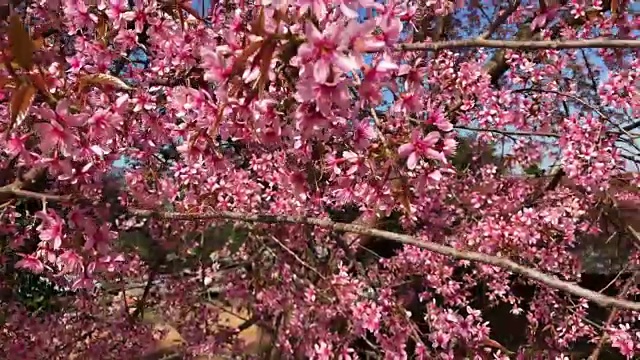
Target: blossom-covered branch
503,263
345,111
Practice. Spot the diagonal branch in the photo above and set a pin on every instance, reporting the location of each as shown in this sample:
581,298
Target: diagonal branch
500,20
506,264
612,316
139,310
536,275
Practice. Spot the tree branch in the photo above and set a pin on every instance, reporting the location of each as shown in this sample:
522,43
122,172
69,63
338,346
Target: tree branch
612,316
536,275
139,310
500,20
598,43
506,264
509,133
21,185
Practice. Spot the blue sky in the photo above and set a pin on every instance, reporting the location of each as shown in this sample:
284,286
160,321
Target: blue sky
198,5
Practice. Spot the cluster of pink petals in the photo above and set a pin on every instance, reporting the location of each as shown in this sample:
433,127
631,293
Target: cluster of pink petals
282,107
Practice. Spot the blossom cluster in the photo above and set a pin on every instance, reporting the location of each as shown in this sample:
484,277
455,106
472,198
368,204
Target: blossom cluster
308,108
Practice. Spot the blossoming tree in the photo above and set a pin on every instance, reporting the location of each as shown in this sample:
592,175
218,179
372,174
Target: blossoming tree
276,151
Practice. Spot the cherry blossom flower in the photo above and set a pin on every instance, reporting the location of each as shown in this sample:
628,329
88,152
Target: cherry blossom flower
325,49
421,147
31,263
51,229
136,128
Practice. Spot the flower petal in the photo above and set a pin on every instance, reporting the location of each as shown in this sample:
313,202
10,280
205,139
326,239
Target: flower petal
406,149
321,71
412,161
312,33
346,63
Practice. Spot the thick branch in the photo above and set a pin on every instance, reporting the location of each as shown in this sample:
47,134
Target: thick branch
503,263
21,185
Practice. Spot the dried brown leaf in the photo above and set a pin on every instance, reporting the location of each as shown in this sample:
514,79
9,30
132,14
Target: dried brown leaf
5,81
39,82
180,16
22,46
13,64
258,25
38,43
402,193
264,58
102,28
241,61
21,100
102,80
494,344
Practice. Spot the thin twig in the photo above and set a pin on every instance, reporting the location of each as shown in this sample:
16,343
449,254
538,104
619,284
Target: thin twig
598,43
509,133
500,20
298,259
613,281
506,264
139,311
612,316
622,130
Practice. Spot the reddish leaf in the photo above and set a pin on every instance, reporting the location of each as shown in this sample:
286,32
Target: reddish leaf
39,82
102,28
102,80
5,82
21,101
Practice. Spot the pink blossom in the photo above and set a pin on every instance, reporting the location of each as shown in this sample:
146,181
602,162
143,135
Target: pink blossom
31,263
277,111
139,14
116,10
325,49
51,229
323,351
421,147
317,7
70,262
